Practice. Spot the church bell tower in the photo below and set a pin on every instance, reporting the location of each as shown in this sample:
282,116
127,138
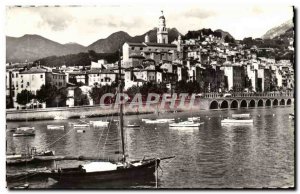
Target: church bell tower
162,32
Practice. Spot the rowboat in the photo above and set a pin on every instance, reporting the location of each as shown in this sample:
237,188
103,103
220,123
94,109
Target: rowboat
186,124
99,123
150,121
24,131
55,127
238,119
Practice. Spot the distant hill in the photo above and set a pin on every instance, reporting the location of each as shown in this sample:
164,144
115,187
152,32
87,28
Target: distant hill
112,43
278,30
33,47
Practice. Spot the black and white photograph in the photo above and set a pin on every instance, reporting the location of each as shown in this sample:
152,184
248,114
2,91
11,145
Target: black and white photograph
138,96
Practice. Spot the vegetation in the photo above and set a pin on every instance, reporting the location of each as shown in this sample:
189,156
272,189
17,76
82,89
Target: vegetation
98,91
24,97
80,59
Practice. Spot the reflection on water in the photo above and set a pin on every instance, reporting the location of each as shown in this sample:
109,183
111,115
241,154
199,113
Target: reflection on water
209,156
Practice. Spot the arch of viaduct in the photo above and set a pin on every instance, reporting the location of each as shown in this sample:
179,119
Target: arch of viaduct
250,102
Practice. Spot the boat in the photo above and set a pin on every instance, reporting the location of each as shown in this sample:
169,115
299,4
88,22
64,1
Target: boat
80,131
98,171
24,131
132,126
99,123
81,125
186,124
238,119
240,115
15,159
193,118
153,121
22,186
55,127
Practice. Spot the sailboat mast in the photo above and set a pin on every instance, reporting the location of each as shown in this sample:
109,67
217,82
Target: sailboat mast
121,109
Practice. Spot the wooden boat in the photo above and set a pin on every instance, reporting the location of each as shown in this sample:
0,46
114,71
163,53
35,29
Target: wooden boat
108,171
99,123
186,124
238,119
132,126
24,131
193,118
240,115
15,159
80,131
23,186
150,121
81,125
55,127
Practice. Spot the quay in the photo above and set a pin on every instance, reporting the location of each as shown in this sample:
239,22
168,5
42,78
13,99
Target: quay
208,101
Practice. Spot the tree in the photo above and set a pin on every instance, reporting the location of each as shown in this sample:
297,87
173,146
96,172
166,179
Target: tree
47,94
24,97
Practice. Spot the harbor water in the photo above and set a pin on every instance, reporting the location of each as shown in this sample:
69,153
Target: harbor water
209,156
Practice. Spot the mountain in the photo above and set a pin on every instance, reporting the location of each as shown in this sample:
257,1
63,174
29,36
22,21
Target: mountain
75,47
224,34
278,30
32,47
110,44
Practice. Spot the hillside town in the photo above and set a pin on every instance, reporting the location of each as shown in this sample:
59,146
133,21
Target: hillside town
209,63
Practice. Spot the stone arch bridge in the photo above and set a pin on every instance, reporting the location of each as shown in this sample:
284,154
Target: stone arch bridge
245,100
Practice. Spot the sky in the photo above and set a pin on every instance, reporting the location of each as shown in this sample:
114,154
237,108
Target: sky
87,24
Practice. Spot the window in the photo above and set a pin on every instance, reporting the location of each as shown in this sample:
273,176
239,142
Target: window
41,76
27,83
22,86
141,48
17,75
12,75
132,48
101,80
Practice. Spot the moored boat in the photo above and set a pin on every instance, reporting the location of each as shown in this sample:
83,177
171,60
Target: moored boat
238,119
186,124
24,131
150,121
193,118
55,127
99,123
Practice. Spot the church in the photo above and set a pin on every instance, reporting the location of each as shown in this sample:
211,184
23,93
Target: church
160,52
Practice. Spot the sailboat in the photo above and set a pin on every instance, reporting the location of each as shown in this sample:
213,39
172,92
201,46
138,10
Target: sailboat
109,171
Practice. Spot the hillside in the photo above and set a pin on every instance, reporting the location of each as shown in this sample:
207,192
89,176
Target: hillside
278,30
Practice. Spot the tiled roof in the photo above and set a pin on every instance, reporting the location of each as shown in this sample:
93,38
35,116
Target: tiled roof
34,70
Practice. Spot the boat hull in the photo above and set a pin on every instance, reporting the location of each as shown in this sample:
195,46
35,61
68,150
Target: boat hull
132,173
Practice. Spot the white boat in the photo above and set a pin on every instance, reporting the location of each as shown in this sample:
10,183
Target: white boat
55,127
132,126
240,115
24,131
150,121
193,118
237,121
25,128
80,131
80,125
186,124
99,123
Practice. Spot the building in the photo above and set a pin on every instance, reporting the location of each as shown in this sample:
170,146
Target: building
159,51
